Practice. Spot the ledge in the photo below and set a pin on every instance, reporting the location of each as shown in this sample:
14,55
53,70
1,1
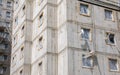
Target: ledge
113,6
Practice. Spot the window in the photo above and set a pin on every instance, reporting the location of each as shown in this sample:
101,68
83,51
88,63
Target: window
1,58
16,4
16,21
0,2
87,61
23,11
14,60
22,53
40,44
21,72
6,45
5,57
9,4
113,65
108,15
41,19
8,24
8,14
15,40
3,70
0,13
85,33
110,38
22,31
40,68
84,9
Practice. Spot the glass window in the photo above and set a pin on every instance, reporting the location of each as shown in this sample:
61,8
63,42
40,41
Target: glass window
40,68
0,13
22,53
41,19
8,24
113,64
85,33
22,31
84,9
108,14
0,2
16,21
9,4
40,43
8,14
5,57
110,38
87,61
21,72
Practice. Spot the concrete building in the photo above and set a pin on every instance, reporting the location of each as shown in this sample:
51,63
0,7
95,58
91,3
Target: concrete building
66,37
6,10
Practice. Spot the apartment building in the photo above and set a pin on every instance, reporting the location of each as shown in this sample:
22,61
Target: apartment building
6,10
66,37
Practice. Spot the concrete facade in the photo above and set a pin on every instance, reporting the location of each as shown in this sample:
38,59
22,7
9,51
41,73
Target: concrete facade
6,10
47,37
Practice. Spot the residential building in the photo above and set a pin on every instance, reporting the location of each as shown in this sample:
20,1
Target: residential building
66,37
6,10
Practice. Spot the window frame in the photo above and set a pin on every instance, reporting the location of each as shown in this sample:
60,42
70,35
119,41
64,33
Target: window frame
88,14
90,34
9,5
107,38
21,52
40,68
117,65
40,42
40,19
91,61
8,15
112,15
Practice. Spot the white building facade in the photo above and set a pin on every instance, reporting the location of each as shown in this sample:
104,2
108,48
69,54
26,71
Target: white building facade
66,37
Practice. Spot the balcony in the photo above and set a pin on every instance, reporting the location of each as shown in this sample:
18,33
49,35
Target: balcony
2,48
2,25
3,59
3,35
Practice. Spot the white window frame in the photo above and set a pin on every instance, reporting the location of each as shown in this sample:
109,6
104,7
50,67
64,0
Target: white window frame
88,9
22,31
1,2
117,64
85,61
112,15
82,33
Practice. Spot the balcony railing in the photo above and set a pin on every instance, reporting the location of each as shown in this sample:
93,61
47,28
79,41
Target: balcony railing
3,34
2,47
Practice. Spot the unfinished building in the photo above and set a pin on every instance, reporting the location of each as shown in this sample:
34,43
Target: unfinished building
6,10
66,37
